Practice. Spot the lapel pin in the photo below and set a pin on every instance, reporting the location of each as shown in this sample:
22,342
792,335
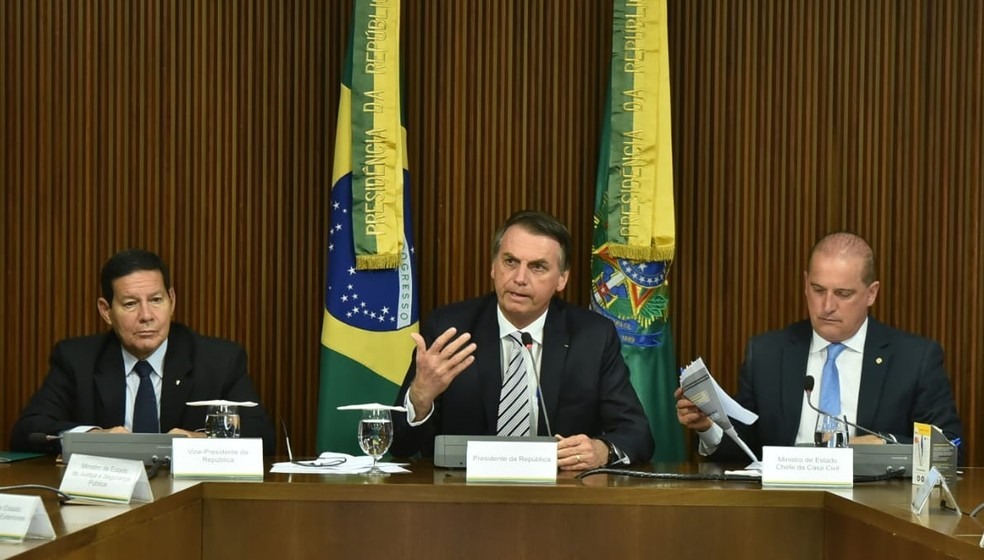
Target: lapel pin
178,381
878,360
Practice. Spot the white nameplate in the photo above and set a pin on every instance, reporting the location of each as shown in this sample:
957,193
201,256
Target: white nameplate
922,493
210,458
808,466
511,462
23,516
105,480
930,480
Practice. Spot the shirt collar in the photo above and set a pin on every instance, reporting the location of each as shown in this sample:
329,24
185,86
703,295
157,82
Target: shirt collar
535,329
855,343
156,360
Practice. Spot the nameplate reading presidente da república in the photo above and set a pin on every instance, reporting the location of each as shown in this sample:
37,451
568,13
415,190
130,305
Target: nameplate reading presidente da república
217,458
823,467
106,480
512,462
23,517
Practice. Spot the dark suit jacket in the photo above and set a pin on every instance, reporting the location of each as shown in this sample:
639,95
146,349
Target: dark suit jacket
585,381
86,385
902,381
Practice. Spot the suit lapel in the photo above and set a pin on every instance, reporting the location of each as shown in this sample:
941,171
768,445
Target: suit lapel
556,343
874,371
110,381
487,360
794,359
178,380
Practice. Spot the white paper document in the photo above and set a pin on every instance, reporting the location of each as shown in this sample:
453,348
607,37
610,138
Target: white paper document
713,401
336,463
221,402
372,406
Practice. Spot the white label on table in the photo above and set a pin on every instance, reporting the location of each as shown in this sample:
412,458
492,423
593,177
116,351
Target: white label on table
211,458
105,480
23,516
511,462
808,467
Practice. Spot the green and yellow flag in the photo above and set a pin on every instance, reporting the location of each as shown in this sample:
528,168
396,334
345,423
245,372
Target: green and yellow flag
371,294
634,239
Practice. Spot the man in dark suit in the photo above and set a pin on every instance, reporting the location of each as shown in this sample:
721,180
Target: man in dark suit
882,378
457,382
93,383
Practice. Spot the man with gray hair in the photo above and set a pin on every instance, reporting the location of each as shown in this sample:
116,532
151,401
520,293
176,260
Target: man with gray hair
878,377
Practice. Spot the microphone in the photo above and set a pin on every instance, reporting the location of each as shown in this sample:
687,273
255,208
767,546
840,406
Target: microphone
528,344
62,497
808,385
41,442
306,463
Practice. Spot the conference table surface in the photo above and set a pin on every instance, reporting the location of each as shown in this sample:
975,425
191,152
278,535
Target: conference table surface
435,512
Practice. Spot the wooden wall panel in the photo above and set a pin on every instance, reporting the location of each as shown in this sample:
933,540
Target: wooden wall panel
204,130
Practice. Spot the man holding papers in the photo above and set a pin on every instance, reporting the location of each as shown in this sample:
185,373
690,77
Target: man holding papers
878,377
138,376
492,365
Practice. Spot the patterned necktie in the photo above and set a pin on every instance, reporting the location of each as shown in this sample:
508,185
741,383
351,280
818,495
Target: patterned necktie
514,400
830,392
145,405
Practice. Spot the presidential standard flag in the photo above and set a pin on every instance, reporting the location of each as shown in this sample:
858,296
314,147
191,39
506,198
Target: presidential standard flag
371,295
634,242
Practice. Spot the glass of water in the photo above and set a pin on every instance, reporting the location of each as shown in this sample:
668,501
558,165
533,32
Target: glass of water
222,421
375,436
831,431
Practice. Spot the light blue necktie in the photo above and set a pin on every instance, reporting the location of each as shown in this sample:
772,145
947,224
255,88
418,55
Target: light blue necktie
830,392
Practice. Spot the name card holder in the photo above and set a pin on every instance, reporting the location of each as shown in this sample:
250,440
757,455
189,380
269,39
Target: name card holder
217,458
932,479
511,462
23,517
105,480
808,467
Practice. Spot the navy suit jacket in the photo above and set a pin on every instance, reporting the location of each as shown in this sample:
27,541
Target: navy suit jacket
86,385
902,381
585,381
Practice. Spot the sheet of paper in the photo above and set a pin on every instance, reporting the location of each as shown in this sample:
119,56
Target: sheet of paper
697,380
324,465
372,406
221,402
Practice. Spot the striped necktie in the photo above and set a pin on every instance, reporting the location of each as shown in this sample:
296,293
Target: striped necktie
514,399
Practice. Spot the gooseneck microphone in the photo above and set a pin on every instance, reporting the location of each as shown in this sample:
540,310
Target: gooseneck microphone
808,385
62,497
42,442
528,344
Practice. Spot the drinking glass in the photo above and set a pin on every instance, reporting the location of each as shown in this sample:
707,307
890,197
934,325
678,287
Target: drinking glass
375,436
831,431
222,421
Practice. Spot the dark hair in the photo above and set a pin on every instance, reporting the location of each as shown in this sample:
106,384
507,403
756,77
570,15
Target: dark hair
537,223
127,262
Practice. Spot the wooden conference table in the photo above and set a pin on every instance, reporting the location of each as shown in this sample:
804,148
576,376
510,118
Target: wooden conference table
433,512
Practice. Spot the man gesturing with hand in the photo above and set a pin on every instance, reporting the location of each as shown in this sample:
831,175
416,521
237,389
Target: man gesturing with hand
512,362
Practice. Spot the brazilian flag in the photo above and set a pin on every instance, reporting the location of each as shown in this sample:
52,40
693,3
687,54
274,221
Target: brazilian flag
633,236
371,303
